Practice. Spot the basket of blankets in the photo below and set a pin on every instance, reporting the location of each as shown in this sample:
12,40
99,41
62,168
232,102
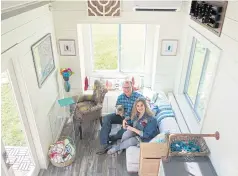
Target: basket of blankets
190,144
62,153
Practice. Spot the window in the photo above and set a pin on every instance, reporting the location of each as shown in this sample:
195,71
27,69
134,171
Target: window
200,74
119,47
105,46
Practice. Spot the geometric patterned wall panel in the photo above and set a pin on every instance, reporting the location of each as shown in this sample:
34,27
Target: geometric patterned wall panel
104,8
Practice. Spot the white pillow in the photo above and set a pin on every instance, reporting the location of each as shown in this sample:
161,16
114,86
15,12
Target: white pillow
162,96
162,99
149,94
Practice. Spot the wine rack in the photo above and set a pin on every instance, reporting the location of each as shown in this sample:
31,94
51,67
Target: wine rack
210,14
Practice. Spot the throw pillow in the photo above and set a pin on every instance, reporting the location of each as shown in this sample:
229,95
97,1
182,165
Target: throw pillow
150,95
160,138
162,96
162,99
164,112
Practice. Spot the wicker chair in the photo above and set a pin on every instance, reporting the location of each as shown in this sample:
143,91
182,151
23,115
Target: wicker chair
89,107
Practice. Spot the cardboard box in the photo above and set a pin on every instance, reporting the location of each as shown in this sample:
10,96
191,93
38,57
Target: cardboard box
150,157
150,167
153,150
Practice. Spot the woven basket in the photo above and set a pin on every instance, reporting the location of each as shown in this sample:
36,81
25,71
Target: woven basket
198,140
68,162
64,164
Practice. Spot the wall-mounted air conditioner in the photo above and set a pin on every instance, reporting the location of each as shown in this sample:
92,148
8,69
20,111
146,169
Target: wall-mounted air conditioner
157,5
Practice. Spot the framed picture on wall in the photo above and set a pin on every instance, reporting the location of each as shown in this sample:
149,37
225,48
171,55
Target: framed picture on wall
43,58
169,47
67,47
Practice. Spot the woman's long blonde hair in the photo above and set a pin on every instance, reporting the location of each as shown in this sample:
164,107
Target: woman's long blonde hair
147,108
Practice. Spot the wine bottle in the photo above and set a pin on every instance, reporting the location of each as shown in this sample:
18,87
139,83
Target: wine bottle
193,5
215,17
213,23
209,7
192,11
217,9
193,8
206,14
212,12
205,19
195,14
205,6
200,15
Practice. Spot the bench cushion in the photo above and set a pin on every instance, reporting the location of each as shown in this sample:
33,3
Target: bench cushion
169,125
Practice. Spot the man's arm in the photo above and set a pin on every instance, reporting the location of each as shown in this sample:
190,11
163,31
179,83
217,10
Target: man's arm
119,100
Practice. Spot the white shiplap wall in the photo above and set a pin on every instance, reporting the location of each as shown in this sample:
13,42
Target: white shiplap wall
68,15
222,109
26,29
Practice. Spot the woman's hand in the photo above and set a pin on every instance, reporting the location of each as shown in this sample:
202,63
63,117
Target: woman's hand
124,124
133,129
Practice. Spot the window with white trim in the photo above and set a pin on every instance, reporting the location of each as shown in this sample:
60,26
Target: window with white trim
200,75
118,47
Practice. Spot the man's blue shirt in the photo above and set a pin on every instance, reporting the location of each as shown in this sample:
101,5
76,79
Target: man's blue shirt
128,102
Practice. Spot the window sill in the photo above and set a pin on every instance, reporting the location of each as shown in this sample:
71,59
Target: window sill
189,116
178,114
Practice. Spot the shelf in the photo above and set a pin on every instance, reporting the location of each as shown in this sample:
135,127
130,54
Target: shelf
202,13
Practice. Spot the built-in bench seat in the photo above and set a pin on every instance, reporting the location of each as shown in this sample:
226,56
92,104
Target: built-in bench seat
178,166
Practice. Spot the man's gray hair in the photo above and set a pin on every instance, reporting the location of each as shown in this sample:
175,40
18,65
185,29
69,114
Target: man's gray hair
127,82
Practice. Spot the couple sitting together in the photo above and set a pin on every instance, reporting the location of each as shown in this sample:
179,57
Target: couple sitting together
138,122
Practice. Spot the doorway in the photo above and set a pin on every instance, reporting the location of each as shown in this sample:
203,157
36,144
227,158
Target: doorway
18,152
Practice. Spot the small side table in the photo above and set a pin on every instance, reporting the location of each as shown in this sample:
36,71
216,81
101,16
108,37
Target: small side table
69,125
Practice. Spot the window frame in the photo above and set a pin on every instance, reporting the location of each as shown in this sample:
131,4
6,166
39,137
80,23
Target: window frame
192,116
189,116
202,75
118,70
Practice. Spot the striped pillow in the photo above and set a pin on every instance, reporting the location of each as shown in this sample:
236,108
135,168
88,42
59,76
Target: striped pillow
165,107
164,112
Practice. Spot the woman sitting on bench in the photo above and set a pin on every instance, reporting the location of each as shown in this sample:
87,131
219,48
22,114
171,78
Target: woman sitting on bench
143,129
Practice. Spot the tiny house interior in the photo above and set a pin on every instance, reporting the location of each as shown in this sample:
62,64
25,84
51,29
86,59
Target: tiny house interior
181,52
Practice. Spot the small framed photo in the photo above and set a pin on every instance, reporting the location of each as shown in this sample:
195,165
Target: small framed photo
67,47
169,47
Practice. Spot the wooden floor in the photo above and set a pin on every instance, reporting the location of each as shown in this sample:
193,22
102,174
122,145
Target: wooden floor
87,162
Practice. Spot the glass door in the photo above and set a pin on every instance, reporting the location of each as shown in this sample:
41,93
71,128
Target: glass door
18,151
